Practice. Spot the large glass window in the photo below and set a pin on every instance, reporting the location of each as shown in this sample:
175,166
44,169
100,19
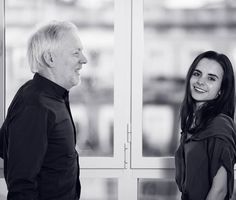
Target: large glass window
174,33
92,101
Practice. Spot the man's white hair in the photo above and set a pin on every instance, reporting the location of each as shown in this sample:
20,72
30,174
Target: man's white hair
46,38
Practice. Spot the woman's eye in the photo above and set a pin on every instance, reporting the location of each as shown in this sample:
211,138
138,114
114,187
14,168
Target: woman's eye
211,79
196,74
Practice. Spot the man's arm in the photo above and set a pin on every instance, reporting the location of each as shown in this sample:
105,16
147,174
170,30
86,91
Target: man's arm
27,144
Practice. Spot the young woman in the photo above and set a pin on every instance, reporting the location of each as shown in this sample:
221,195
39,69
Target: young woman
207,153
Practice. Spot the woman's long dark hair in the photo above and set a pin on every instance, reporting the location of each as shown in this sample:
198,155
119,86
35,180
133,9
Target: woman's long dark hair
224,103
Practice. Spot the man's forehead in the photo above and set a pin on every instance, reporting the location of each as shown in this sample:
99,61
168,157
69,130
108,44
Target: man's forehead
72,39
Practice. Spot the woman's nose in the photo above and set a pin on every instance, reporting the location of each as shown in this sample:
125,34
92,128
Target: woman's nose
200,81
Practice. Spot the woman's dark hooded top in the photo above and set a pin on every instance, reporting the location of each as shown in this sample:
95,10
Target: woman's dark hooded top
199,157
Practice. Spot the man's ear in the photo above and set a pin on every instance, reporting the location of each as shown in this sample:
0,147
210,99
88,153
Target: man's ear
48,59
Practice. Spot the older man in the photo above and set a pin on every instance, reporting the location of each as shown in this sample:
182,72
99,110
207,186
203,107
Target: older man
38,135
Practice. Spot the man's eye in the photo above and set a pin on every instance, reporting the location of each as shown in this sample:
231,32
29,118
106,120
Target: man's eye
76,53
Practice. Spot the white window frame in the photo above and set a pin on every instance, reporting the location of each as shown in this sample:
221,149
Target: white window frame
122,73
138,161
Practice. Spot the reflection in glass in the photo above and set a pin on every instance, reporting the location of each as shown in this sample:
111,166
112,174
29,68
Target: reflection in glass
99,189
97,122
157,143
161,189
92,101
172,39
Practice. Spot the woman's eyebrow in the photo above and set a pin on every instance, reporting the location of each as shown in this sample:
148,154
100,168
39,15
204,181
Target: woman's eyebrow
197,70
213,75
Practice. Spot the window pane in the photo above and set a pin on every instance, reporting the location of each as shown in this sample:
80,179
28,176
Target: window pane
152,189
158,125
172,39
164,189
92,101
99,189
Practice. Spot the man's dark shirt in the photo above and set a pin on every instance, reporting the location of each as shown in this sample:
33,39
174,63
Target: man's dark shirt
38,144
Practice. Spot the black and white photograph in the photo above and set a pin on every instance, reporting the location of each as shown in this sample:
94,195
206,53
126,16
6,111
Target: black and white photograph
117,99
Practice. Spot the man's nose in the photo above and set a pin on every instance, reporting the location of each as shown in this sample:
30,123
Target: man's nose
83,60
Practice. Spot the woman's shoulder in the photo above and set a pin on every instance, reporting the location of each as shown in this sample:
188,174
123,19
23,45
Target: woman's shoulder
222,126
223,118
222,122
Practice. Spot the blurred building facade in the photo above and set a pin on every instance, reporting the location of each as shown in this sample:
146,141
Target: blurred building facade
126,109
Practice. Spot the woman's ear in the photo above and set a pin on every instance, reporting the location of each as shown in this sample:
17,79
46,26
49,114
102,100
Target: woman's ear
47,58
218,94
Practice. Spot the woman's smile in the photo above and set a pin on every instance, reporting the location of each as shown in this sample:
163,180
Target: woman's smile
199,89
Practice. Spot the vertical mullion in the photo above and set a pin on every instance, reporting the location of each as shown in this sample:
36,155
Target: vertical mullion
137,80
2,61
122,70
2,67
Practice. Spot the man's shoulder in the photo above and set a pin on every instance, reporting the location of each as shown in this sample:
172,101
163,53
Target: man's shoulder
29,94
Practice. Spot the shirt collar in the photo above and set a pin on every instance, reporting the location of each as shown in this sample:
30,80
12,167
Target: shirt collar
51,87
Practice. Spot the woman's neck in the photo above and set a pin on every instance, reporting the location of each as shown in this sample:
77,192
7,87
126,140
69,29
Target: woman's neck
198,106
